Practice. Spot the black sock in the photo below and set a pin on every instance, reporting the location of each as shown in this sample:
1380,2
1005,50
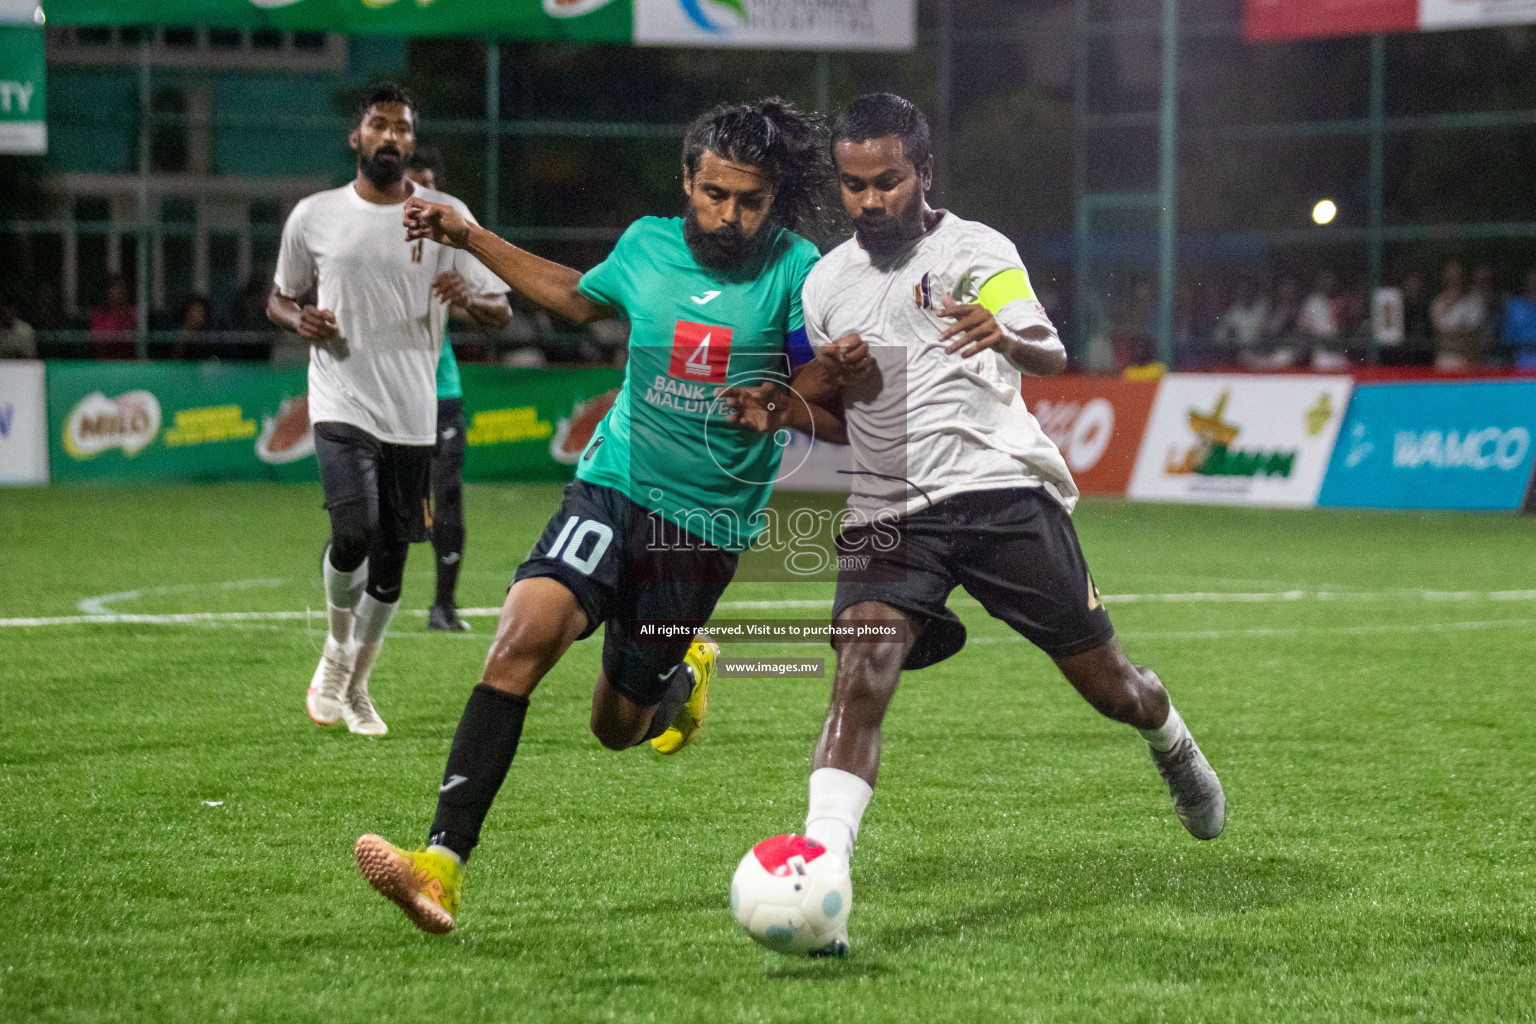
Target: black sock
448,577
671,702
477,765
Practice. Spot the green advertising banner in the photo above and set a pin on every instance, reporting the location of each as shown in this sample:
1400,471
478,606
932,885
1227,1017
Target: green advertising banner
23,81
164,422
583,20
531,424
212,422
763,24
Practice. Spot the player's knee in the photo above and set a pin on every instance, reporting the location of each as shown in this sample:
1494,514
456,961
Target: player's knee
523,651
1126,693
386,573
612,734
867,672
353,532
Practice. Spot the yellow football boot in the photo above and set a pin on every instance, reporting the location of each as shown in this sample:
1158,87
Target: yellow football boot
701,657
424,883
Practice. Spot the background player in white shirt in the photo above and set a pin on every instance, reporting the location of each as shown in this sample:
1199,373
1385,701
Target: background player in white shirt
926,322
374,333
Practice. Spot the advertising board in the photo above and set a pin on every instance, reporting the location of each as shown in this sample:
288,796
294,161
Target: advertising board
188,422
23,423
1097,422
1435,445
1218,439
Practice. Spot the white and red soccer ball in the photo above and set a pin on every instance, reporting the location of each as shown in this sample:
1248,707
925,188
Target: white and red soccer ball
791,894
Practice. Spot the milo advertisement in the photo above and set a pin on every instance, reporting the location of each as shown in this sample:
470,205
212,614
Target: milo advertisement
213,422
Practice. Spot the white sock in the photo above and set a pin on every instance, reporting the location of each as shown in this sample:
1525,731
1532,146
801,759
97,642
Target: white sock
1167,735
444,849
837,804
373,618
342,591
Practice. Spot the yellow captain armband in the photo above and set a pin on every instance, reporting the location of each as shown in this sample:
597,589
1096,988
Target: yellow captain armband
1002,288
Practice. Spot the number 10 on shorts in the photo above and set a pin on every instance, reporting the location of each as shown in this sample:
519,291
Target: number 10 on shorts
573,537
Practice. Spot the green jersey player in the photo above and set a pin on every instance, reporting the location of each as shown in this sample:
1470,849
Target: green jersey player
667,491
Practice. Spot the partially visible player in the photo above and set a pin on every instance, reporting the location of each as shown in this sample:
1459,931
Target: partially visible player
425,168
946,453
374,334
666,494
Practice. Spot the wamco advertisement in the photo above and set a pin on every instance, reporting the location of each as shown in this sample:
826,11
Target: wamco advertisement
1441,445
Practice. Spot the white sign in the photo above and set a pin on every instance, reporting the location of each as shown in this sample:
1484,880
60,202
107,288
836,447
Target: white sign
1471,13
23,423
1215,439
785,24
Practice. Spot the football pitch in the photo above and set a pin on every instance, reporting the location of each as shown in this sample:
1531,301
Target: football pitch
176,836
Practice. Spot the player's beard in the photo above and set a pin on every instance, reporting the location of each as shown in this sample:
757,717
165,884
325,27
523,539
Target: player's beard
887,234
724,248
384,167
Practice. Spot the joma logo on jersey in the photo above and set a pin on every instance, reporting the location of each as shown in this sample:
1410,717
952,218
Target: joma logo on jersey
700,352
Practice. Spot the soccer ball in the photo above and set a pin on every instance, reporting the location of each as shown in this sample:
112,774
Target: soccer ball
791,894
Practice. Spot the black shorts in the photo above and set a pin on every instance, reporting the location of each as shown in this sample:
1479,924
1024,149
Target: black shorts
625,565
392,481
1013,550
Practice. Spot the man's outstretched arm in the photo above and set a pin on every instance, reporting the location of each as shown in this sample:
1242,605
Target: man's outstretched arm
550,284
814,403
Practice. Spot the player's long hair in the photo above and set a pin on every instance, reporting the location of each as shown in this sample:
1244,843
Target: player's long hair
788,143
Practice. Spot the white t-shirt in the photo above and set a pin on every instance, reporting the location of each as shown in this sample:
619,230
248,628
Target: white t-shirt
380,375
928,425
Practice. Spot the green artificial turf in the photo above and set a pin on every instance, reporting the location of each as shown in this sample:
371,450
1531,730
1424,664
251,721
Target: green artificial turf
1020,860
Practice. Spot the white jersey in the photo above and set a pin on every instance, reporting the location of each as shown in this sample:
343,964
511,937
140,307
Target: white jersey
380,374
928,425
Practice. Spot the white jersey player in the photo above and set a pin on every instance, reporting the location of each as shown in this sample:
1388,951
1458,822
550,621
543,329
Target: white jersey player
375,329
925,323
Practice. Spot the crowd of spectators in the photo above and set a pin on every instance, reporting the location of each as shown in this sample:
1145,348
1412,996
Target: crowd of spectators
1237,322
1221,321
238,329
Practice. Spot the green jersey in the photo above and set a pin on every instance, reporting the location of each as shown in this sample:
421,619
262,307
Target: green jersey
448,371
665,443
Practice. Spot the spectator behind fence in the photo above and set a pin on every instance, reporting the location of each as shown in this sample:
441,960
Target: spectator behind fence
1417,331
16,338
113,323
1319,322
1520,325
1457,315
48,310
1241,327
192,325
1315,319
1132,338
1487,293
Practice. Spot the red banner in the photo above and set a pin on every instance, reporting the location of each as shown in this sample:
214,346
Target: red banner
1270,20
1097,422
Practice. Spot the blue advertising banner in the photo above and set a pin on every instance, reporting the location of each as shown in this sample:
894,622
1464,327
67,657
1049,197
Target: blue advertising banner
1435,445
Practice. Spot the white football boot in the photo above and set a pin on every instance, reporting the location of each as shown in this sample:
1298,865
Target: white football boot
1198,798
329,684
356,706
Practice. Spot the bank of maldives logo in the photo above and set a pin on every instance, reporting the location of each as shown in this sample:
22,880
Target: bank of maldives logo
700,352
